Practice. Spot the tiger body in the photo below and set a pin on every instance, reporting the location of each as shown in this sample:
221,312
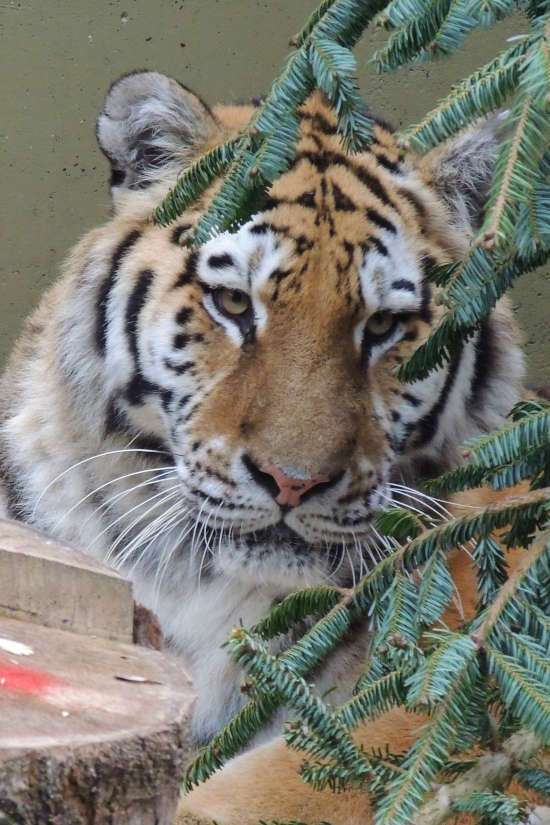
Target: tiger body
222,424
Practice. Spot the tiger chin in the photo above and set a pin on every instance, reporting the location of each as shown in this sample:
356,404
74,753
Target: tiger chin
221,425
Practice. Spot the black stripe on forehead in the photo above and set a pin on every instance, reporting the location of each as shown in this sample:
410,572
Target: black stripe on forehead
378,244
189,271
388,164
375,217
342,203
107,286
319,123
323,160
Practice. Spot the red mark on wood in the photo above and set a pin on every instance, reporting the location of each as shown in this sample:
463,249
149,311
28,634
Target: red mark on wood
23,680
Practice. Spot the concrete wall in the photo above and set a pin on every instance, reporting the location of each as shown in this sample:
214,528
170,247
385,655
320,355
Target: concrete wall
60,56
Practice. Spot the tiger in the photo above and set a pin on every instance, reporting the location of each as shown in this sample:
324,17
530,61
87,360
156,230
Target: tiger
222,424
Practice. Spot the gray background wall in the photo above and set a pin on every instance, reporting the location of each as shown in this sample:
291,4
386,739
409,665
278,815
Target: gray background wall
58,57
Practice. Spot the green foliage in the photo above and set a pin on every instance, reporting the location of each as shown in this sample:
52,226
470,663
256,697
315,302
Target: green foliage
503,458
267,145
495,808
535,779
489,678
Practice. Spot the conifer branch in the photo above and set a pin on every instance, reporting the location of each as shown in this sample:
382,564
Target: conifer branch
490,772
296,607
484,91
267,145
404,795
536,556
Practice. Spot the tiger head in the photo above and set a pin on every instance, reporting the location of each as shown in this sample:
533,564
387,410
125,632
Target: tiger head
266,362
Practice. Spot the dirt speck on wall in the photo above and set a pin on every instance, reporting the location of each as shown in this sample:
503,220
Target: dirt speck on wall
59,58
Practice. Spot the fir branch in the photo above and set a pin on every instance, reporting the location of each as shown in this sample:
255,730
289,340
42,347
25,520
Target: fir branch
273,671
491,569
436,589
532,562
483,282
466,477
431,681
300,38
528,509
455,26
228,742
426,757
334,70
399,12
377,697
527,407
267,145
522,692
296,607
314,646
415,34
535,779
490,771
525,650
489,12
515,169
399,523
195,180
534,465
483,91
427,29
399,609
305,655
495,807
511,443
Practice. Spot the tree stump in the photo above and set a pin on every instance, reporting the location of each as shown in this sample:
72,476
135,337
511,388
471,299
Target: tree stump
93,728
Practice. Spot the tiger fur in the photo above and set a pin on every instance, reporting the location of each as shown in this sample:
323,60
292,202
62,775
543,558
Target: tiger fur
221,424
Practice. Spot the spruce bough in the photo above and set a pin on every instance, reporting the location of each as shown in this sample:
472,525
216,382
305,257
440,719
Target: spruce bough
486,685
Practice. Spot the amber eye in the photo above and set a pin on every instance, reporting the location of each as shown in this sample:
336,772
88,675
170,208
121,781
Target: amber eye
380,323
231,301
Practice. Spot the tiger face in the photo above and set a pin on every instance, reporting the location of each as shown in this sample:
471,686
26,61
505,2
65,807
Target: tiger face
223,424
265,363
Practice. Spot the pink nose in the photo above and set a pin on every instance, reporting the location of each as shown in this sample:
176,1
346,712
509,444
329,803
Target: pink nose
291,489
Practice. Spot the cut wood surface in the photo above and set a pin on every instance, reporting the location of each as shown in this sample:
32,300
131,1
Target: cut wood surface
54,584
91,730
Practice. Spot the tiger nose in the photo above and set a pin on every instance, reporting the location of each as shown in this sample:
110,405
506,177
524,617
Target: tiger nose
291,489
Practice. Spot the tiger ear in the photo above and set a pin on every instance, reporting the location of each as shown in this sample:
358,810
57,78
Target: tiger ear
150,127
461,169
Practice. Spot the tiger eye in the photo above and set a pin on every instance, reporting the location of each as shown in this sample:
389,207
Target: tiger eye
380,323
232,301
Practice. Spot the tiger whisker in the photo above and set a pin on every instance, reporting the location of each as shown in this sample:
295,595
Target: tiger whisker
434,498
152,532
165,471
109,502
144,537
164,496
164,564
410,507
85,461
197,522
